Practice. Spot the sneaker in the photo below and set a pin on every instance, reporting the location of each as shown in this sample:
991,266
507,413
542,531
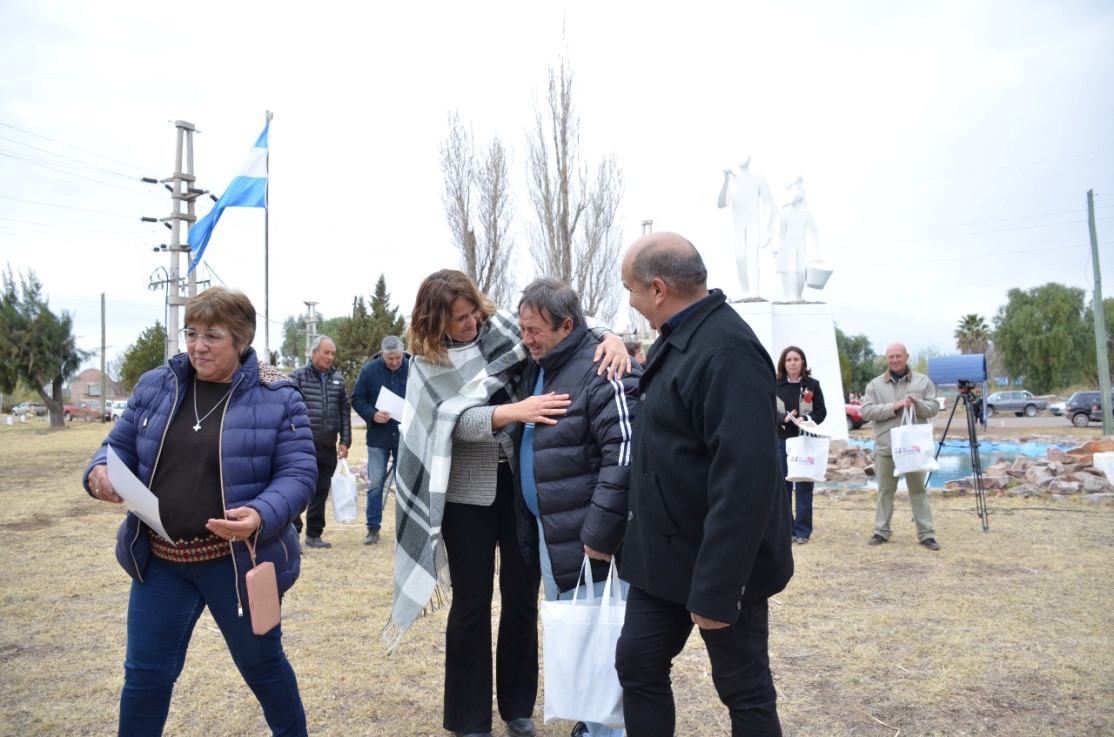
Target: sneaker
372,537
580,730
876,539
930,543
800,540
317,542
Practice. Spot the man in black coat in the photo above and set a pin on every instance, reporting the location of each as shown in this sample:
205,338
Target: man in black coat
708,535
330,415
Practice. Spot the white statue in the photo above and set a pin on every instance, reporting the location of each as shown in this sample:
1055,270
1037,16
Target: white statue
791,254
750,198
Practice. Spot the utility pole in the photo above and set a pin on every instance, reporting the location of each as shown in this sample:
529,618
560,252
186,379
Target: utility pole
267,254
183,190
311,327
104,376
1099,316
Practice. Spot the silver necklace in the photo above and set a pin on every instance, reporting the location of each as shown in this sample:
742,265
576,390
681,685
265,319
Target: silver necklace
220,401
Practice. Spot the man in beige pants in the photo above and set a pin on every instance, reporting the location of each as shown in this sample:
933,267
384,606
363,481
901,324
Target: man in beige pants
884,401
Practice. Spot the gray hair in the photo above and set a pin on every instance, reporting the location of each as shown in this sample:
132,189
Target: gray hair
391,344
554,300
681,268
316,342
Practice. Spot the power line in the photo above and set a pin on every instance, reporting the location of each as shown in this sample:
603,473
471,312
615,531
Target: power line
80,228
992,231
87,164
970,256
70,145
67,207
75,174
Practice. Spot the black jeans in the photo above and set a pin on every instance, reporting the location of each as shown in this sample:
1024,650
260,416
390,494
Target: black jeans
655,632
315,515
471,535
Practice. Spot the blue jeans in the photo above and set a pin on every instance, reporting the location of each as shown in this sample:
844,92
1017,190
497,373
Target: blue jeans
376,481
162,613
549,586
800,514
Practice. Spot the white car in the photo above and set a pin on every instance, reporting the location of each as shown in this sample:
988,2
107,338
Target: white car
117,408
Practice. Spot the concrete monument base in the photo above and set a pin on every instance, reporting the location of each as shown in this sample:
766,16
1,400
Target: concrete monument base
809,326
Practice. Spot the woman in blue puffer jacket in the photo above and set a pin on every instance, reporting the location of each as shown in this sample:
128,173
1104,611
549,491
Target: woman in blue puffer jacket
224,442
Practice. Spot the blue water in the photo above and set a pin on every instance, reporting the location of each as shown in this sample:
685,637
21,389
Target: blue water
955,456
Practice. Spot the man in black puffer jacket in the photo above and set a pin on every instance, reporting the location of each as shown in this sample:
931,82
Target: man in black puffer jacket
329,415
573,472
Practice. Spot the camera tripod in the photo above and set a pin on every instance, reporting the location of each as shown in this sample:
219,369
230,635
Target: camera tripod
968,400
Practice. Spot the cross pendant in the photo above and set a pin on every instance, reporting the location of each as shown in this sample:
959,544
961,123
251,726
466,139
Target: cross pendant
197,427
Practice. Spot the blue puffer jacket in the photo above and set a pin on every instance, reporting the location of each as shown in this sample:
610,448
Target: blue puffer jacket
267,459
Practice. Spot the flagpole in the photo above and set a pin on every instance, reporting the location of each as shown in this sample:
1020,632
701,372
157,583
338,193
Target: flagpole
267,254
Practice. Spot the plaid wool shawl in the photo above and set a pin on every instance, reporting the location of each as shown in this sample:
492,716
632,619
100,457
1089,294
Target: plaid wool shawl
436,395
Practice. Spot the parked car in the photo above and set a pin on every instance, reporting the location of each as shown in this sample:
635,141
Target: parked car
1082,408
114,409
1057,408
84,410
1018,402
31,409
854,417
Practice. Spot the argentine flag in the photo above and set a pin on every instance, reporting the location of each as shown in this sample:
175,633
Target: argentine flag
249,189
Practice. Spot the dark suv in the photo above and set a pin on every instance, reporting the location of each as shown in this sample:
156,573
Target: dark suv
1083,408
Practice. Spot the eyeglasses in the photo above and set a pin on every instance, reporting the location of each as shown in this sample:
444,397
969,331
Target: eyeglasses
209,337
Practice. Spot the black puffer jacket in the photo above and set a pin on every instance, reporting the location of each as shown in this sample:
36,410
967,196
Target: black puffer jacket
330,413
581,464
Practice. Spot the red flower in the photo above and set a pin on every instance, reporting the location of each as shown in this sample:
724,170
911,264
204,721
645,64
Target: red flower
807,396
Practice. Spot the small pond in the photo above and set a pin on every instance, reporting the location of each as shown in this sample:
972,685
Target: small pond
955,456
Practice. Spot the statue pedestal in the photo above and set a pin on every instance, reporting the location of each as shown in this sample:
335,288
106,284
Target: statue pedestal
809,326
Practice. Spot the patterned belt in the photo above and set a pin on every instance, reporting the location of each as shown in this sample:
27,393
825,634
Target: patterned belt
198,550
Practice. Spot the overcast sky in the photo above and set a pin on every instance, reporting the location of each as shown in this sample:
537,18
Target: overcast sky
946,147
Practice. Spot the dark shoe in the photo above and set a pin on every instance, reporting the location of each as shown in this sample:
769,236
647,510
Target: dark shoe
521,727
317,542
876,539
930,543
372,537
471,734
580,730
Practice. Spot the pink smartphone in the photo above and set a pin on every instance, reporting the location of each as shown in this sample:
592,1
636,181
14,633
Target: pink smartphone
263,598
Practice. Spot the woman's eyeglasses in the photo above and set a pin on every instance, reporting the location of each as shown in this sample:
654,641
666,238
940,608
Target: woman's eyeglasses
209,337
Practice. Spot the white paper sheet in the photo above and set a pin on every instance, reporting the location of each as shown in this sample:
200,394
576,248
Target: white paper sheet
137,497
388,401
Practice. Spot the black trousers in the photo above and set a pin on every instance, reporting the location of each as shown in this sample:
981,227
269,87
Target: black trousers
655,632
315,515
472,533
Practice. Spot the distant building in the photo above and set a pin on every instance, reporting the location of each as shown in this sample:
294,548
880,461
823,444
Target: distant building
86,387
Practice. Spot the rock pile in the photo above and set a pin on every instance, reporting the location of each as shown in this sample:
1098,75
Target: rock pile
849,464
1058,475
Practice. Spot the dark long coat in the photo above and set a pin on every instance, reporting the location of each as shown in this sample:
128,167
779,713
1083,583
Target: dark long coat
708,524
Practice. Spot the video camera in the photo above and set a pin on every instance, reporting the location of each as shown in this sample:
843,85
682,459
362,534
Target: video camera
964,371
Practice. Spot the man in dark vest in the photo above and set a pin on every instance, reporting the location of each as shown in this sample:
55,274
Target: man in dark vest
330,415
708,535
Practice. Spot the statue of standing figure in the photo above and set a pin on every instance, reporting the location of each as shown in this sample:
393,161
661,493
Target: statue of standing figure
791,255
752,211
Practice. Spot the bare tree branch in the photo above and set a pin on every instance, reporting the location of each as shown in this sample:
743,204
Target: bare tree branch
458,164
576,236
495,212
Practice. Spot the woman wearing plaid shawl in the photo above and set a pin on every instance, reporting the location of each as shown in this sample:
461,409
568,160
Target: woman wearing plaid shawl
455,501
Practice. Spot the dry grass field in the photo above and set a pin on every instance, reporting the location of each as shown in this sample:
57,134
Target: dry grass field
1004,633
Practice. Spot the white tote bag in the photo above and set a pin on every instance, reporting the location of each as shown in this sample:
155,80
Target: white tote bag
806,457
579,637
911,445
343,492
